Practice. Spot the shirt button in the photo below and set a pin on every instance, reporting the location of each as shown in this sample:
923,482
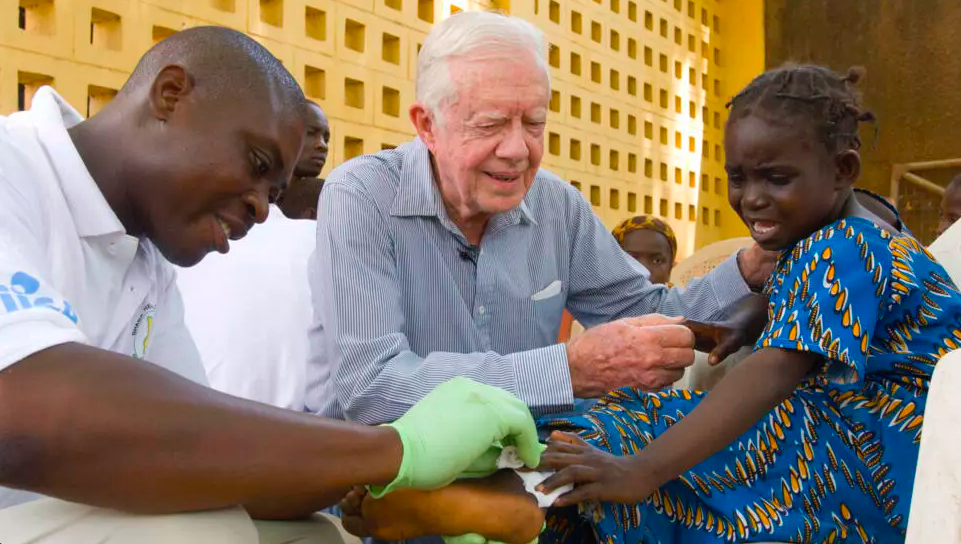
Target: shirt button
481,310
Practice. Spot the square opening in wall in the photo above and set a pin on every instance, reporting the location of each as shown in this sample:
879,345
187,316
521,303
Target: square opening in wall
648,204
678,210
315,23
576,106
615,199
98,97
390,99
615,41
397,5
631,163
596,31
390,48
37,17
554,12
425,10
595,72
691,213
554,143
632,48
354,93
615,160
705,218
161,33
554,56
353,147
272,12
595,112
595,154
615,80
315,82
631,86
615,119
631,202
28,83
663,208
595,195
575,64
575,150
648,169
632,12
576,184
355,35
577,22
555,104
228,6
106,31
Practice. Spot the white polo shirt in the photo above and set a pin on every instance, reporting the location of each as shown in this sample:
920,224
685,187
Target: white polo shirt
260,292
68,270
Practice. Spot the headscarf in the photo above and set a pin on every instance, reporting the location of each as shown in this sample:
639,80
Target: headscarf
648,222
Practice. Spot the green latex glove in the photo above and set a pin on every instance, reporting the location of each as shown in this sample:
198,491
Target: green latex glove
455,428
474,539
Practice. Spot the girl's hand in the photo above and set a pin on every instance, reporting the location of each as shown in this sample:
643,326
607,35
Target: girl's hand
596,475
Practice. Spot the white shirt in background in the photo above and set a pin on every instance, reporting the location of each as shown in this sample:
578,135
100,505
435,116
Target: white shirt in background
947,250
68,270
249,312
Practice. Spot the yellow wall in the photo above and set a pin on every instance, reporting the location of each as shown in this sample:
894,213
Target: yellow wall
644,142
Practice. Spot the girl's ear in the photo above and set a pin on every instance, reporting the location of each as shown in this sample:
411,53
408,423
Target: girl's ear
847,167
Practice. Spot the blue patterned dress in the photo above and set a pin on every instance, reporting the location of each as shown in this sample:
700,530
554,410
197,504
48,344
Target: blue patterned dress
836,461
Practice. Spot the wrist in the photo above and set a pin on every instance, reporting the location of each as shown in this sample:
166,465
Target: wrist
391,464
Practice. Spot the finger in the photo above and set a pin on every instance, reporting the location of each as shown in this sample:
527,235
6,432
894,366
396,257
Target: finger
558,461
354,525
668,336
725,348
569,438
574,474
563,447
483,465
652,319
519,430
676,358
581,493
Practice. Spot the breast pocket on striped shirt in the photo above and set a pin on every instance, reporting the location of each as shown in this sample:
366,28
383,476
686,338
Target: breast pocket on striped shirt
548,303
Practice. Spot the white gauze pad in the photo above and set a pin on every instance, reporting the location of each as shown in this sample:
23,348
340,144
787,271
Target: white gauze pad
509,459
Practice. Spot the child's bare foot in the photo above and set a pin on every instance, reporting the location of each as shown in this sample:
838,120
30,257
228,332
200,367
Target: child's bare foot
496,507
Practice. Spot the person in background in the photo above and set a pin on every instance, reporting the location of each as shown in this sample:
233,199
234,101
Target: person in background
950,205
108,431
651,242
261,293
881,208
299,200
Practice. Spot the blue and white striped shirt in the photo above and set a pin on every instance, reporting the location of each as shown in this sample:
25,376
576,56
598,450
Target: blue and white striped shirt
402,302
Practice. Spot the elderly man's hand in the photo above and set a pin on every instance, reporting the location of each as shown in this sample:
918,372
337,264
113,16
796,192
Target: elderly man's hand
648,352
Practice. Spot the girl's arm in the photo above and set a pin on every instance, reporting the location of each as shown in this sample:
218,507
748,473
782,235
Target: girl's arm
744,396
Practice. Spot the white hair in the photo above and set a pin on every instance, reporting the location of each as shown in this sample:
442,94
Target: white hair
478,34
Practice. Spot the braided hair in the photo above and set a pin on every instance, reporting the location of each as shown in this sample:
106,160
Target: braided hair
829,101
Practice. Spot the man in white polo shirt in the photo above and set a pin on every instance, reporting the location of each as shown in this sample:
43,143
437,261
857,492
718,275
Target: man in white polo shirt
108,434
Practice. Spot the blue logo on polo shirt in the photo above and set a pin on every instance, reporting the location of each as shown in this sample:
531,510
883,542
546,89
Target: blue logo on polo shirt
21,294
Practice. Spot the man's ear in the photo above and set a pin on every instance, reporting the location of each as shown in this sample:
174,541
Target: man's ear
424,123
171,85
847,167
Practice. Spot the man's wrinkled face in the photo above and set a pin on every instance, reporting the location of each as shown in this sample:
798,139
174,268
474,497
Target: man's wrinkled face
488,143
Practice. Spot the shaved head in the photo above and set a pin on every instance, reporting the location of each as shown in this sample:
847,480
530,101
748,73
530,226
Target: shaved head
201,138
224,63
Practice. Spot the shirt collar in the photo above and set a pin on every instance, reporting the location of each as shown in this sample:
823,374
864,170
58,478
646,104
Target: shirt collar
418,195
91,213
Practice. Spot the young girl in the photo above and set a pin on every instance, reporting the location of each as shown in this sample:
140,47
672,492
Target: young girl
814,437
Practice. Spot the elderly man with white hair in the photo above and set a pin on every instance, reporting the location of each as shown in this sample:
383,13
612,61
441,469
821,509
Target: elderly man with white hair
455,254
